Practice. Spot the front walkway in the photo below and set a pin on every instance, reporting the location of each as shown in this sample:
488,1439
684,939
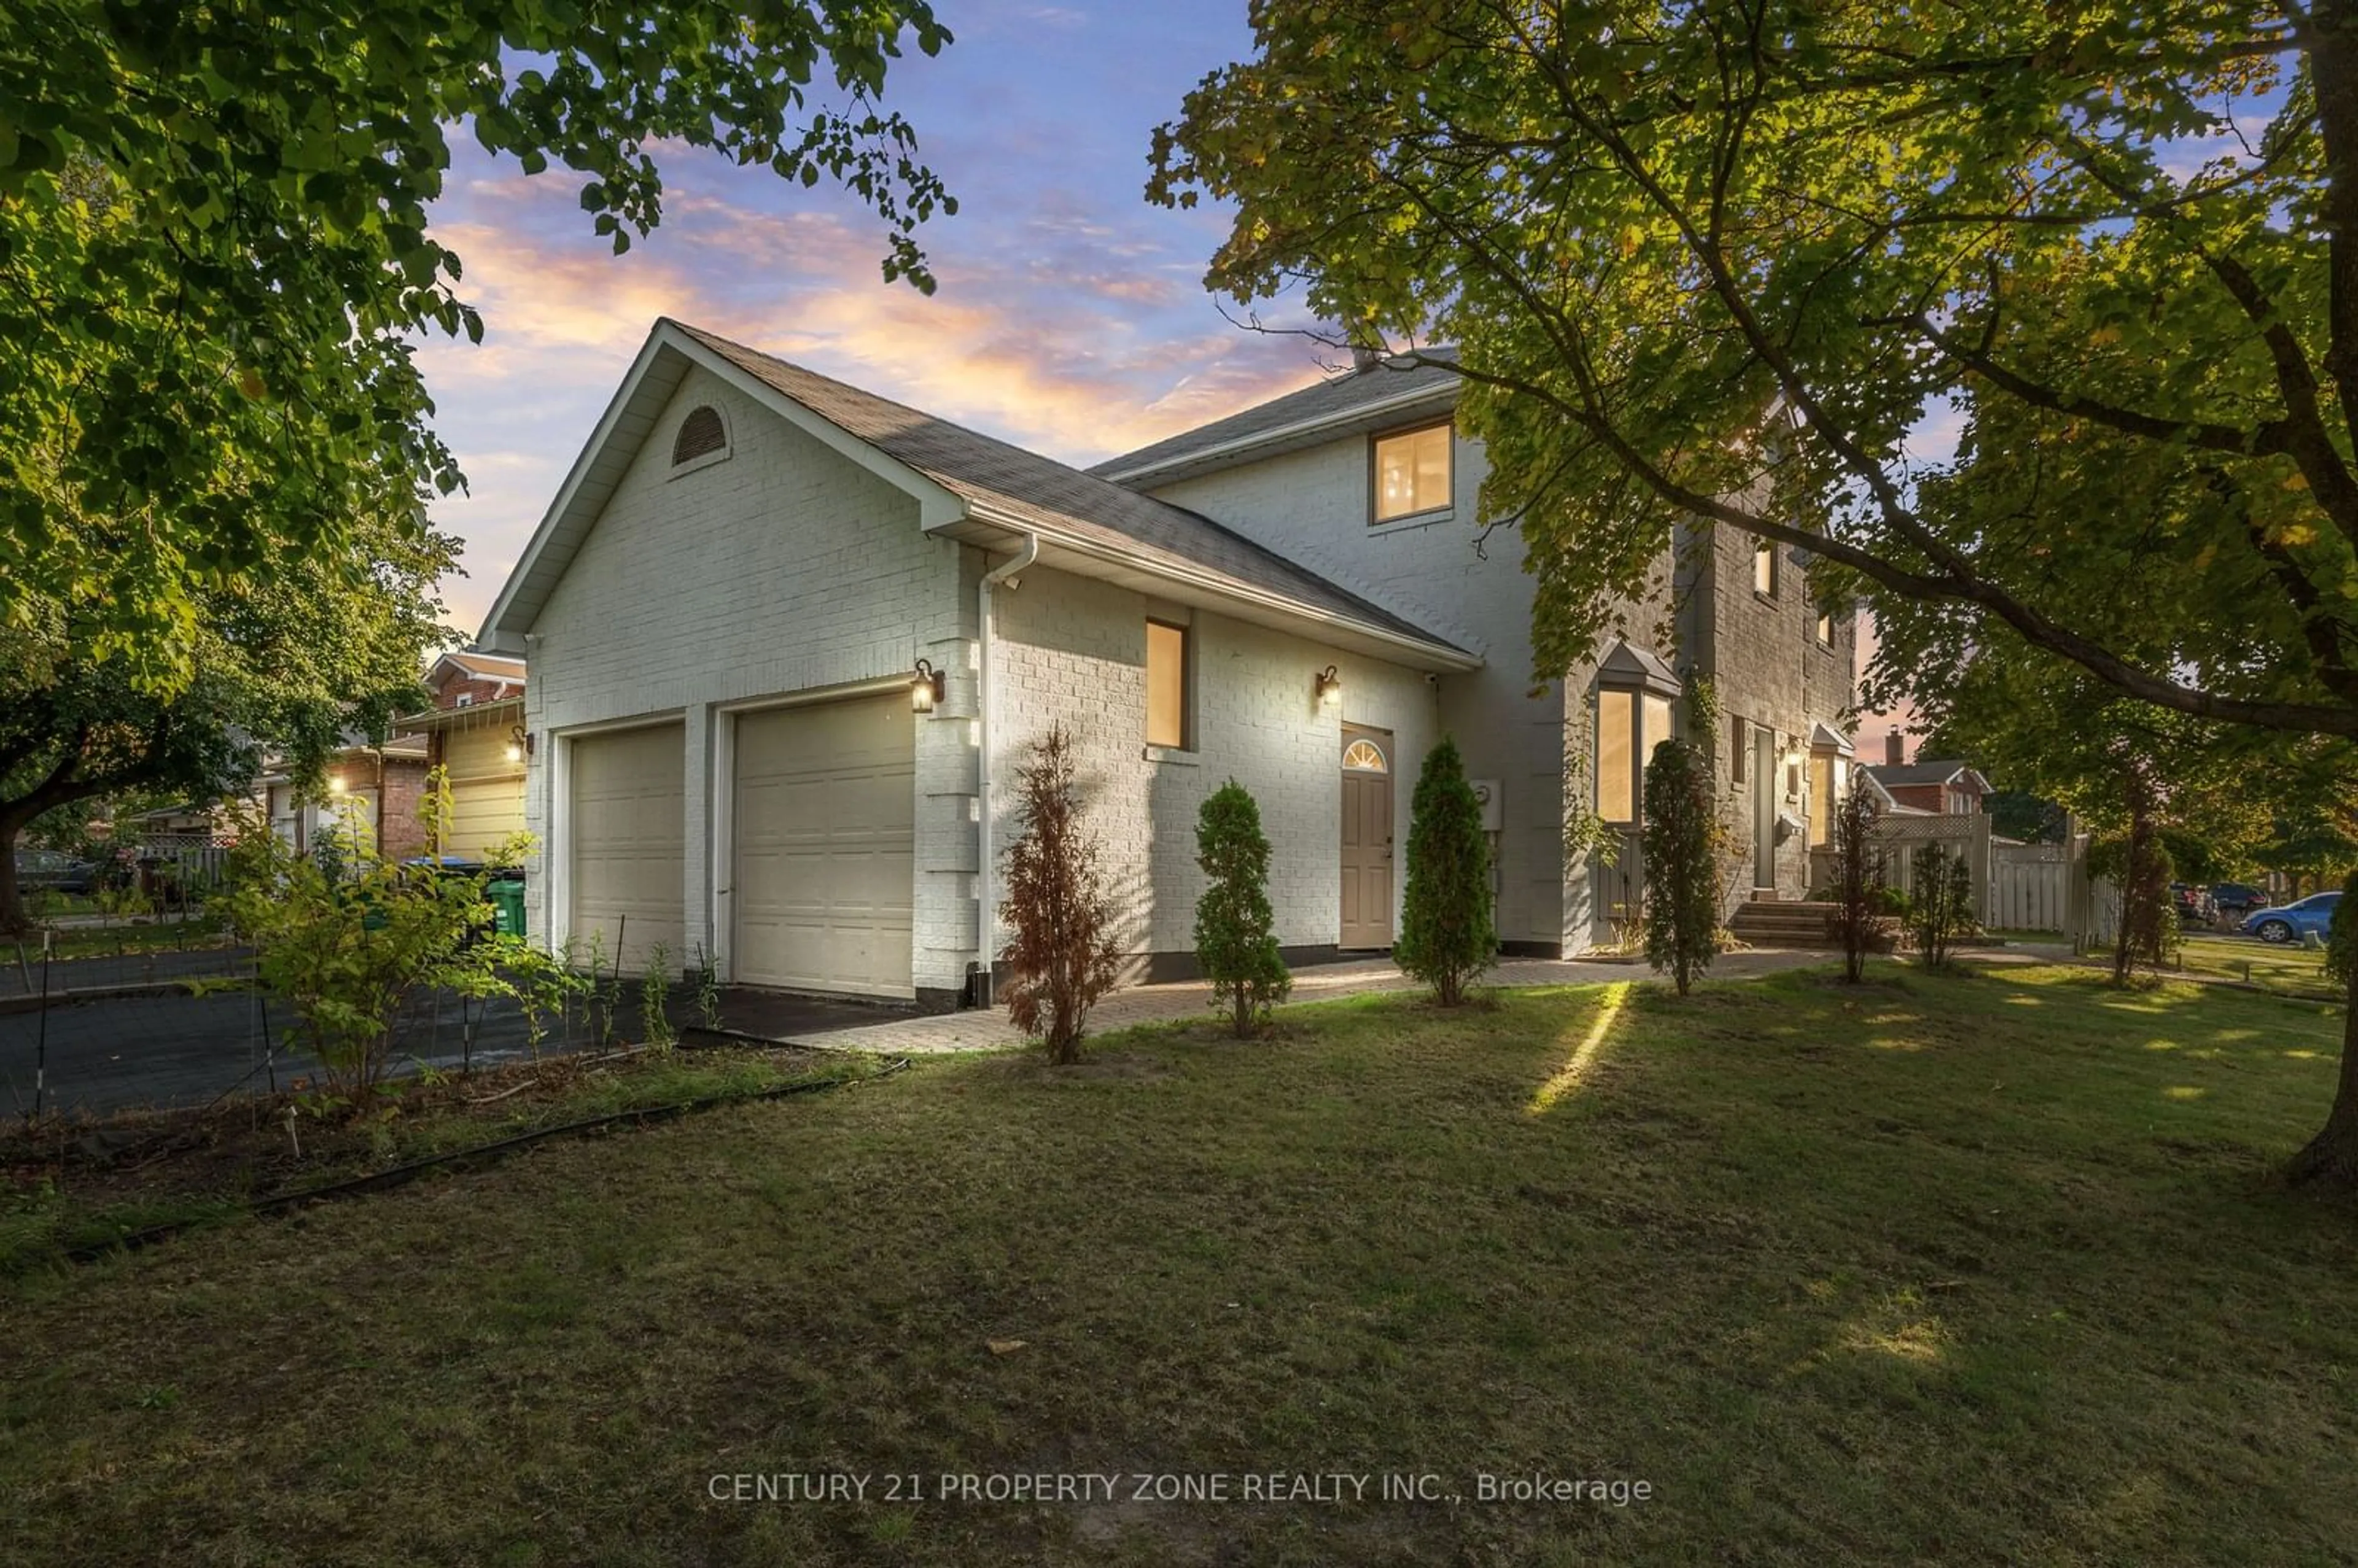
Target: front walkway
988,1029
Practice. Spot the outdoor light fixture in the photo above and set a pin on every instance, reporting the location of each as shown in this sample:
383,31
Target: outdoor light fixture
519,744
1327,684
929,689
336,785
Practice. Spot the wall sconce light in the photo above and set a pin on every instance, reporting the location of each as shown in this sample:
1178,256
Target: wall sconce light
519,744
929,689
1327,685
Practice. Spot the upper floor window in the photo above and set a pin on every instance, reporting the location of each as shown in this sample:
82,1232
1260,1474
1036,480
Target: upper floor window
1764,568
1166,684
1825,630
1413,472
464,699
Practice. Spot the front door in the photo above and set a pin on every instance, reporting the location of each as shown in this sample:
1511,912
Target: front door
1366,838
1764,808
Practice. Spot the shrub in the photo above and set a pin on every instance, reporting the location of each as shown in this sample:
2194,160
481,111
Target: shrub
1235,939
1447,934
1682,871
1858,921
351,951
1940,911
2341,935
1061,958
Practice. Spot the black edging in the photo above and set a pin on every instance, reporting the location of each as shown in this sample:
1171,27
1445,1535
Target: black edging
402,1176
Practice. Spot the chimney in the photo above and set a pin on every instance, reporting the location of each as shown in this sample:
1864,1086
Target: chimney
1895,747
1365,357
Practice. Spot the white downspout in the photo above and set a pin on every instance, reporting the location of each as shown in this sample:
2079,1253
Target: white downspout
986,694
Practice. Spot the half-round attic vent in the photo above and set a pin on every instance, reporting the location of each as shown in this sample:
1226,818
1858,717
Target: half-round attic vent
699,433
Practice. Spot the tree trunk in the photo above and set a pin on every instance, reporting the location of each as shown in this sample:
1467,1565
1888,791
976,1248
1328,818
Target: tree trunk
12,902
2332,1157
1243,999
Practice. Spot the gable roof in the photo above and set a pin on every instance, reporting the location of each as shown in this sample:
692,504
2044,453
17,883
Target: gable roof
969,486
1936,772
1382,394
489,666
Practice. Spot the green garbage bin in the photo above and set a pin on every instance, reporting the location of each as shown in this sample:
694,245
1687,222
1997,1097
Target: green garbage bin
507,907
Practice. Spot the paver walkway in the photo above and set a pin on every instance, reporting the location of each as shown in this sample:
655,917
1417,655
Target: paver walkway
988,1029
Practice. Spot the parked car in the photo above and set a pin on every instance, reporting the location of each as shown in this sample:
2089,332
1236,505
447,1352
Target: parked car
54,870
2194,905
2239,899
2294,921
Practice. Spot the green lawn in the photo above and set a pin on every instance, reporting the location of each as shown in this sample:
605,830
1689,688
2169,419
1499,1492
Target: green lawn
2291,968
1985,1269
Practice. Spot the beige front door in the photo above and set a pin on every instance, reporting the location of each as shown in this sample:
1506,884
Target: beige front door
823,872
1366,838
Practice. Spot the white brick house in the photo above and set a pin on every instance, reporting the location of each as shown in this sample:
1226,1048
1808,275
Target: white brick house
727,606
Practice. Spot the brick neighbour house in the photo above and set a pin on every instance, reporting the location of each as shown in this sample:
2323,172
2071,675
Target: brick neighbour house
738,608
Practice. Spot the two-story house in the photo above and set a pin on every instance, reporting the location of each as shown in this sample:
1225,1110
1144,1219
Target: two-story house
474,731
790,643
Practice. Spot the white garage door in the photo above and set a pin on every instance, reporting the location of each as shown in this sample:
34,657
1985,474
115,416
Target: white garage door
825,862
627,842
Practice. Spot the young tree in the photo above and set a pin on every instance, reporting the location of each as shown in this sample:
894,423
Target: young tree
1720,264
1858,921
1236,937
1940,908
1062,957
215,256
1682,871
1447,932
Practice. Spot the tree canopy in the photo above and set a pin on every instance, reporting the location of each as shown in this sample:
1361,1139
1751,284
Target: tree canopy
293,660
1716,260
214,249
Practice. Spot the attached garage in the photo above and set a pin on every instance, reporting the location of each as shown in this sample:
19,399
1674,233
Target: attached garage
486,790
627,840
823,865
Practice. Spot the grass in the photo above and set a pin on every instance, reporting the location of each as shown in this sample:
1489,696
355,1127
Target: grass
1985,1269
2289,970
144,936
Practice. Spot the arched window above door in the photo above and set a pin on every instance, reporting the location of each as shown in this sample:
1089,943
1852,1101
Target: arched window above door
1364,756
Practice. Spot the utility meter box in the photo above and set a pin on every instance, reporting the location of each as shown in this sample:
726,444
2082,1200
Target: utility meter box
1494,812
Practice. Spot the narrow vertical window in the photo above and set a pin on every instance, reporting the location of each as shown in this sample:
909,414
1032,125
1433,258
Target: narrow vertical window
1616,750
1821,798
1764,569
1166,684
1826,630
1739,747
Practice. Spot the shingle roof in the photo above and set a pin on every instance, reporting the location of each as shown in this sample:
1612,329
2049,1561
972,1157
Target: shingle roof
1923,772
1346,397
1026,487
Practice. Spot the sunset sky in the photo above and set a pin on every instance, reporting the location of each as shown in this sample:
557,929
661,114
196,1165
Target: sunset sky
1070,319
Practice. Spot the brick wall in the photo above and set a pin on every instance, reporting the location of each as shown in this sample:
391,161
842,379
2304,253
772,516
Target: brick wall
1073,650
1437,571
785,568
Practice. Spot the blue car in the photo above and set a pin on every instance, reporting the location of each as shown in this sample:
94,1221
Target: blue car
2294,921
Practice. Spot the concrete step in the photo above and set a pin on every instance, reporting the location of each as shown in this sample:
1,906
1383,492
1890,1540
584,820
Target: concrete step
1779,922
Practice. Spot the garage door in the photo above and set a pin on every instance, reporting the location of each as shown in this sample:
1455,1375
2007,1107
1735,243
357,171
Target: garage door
627,842
826,828
486,790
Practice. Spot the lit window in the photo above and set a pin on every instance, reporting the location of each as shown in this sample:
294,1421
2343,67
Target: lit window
1764,568
1616,747
1412,472
1166,684
1821,798
1364,757
1826,630
1658,723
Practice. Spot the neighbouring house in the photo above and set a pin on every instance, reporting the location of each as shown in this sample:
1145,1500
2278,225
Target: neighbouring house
789,642
372,793
475,729
1943,786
